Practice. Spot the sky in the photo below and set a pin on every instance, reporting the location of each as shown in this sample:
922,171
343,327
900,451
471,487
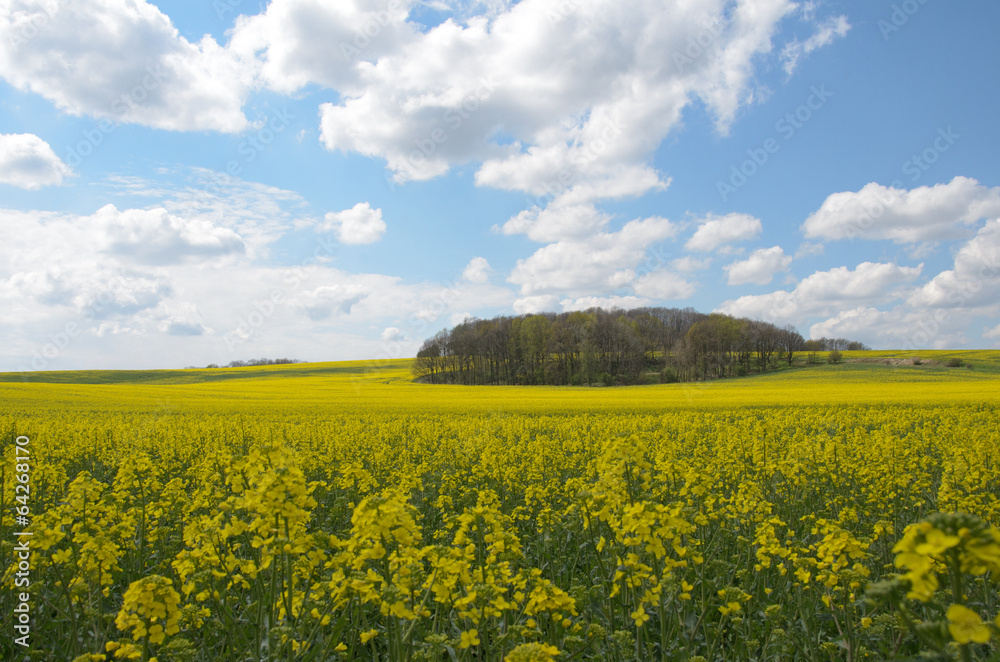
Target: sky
191,183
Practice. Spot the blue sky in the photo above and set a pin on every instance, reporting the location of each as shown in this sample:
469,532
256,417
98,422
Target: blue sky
185,183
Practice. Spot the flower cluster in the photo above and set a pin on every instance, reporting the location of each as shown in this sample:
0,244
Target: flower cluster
956,542
150,611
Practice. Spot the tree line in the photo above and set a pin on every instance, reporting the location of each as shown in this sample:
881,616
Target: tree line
610,347
248,363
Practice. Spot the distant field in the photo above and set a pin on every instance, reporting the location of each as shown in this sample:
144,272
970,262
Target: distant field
193,376
374,384
340,511
983,360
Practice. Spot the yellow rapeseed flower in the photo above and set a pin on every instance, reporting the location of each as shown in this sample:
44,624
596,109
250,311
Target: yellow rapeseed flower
468,639
639,616
150,609
533,652
966,626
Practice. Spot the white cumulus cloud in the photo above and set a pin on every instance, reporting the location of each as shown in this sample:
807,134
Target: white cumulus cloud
607,303
828,293
122,60
393,334
28,162
538,303
582,95
974,279
477,271
154,236
663,285
926,213
689,263
557,221
759,268
898,328
358,225
716,231
601,263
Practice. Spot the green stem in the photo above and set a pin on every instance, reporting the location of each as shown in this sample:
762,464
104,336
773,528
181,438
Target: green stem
955,570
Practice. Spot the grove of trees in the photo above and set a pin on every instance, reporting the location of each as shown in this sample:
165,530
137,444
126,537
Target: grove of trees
608,347
249,363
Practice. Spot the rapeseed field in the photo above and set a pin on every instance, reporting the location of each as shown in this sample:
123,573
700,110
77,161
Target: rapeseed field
342,512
